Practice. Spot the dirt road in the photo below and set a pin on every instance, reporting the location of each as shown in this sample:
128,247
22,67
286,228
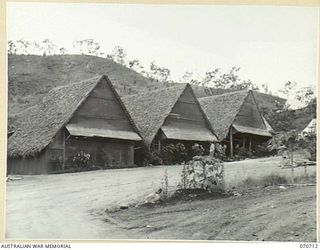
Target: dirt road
267,214
70,206
60,206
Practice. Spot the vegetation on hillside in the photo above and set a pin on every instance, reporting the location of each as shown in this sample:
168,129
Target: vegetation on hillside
36,67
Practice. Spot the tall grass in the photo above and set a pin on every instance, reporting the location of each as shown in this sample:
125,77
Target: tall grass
276,179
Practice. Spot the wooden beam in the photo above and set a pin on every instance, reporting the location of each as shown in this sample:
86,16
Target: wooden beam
231,142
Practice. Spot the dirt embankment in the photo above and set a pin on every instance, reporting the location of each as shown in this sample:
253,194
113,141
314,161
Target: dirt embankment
265,214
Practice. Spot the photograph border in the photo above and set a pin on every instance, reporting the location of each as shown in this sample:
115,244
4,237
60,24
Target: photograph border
4,96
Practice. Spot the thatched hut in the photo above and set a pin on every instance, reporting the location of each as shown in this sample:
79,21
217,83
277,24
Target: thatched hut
236,120
170,115
76,125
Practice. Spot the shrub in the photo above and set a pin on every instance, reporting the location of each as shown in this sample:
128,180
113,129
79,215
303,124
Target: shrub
165,186
274,179
197,149
262,150
312,147
152,158
174,153
202,172
268,180
81,160
307,178
220,151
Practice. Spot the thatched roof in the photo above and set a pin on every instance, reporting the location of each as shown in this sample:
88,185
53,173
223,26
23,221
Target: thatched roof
311,128
221,110
150,109
37,125
268,126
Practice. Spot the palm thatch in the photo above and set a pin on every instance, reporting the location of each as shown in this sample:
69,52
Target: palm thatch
36,127
150,109
221,110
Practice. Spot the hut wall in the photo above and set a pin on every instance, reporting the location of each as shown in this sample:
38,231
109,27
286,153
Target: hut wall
102,110
28,165
186,113
104,153
55,152
249,114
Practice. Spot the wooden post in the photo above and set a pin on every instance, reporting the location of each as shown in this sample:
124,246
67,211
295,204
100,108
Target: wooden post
244,142
250,146
63,149
159,146
231,142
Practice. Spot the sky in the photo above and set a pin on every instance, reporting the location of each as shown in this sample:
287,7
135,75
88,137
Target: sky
271,44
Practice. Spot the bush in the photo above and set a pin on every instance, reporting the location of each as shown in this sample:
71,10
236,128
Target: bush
81,160
312,147
309,143
197,149
174,153
263,150
274,179
220,151
202,172
268,180
152,158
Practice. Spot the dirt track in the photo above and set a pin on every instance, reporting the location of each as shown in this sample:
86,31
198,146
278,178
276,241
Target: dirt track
268,214
59,206
71,206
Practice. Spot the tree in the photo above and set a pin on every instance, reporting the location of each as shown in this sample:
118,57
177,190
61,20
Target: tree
288,87
280,118
135,65
186,77
22,46
37,48
265,89
118,55
12,47
211,78
160,74
49,48
63,51
223,80
312,108
87,47
305,95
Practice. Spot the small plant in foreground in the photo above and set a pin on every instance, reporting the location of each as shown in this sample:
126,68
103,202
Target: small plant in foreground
165,186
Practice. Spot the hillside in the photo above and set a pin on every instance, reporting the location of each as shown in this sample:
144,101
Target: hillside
30,77
265,101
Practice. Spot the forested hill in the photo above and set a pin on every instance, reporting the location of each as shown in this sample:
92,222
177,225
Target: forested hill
30,77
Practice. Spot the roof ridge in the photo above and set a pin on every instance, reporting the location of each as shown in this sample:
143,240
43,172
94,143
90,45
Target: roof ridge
43,121
150,109
97,77
180,85
226,94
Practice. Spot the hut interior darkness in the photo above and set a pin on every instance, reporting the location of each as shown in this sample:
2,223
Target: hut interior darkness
236,120
170,115
76,125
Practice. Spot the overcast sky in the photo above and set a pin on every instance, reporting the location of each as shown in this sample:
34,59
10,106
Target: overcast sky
270,44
